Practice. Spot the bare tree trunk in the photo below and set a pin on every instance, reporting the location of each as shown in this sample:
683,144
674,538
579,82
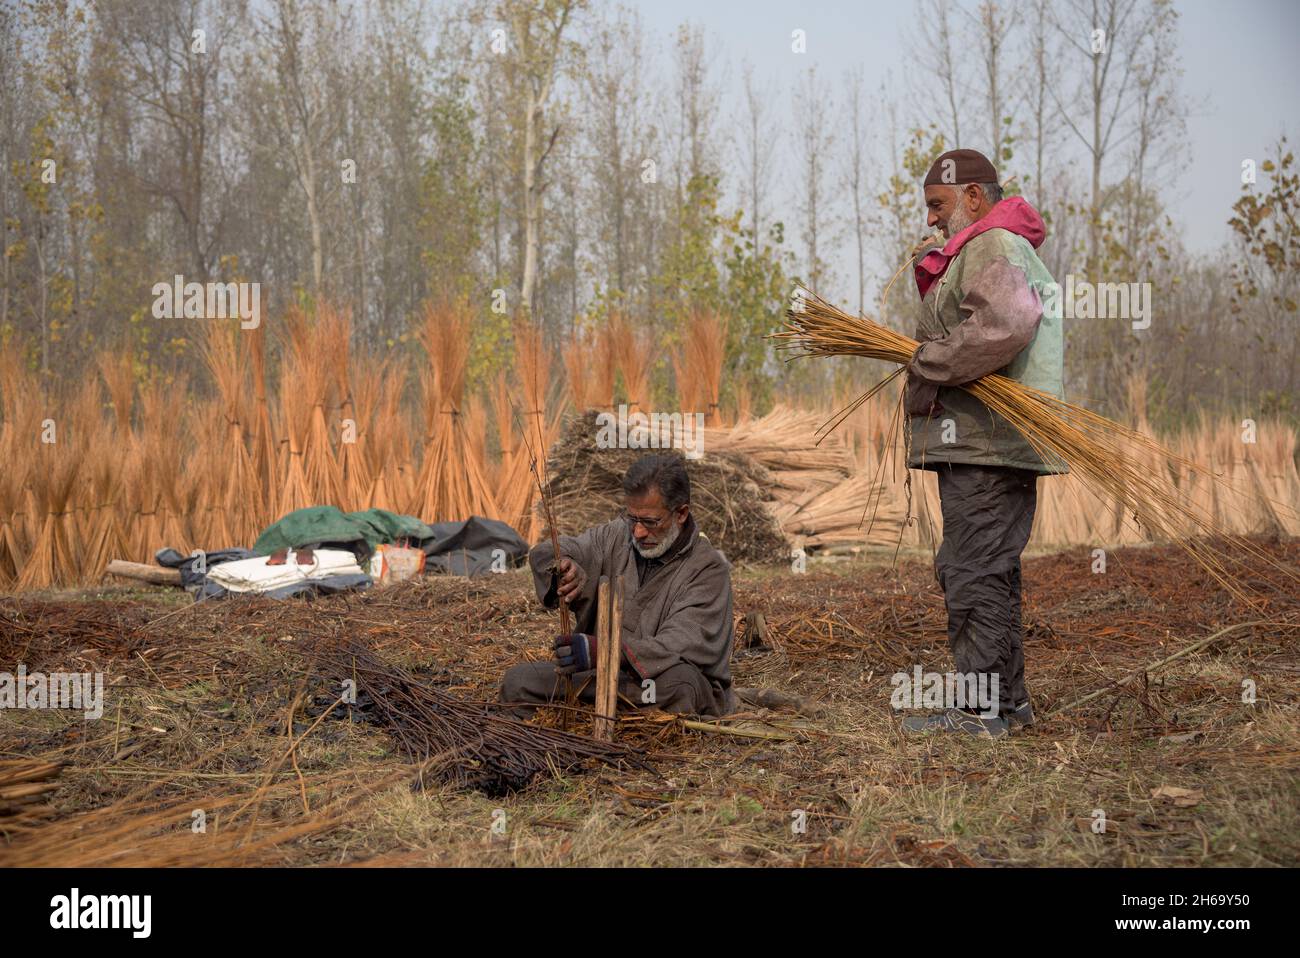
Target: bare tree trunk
7,273
939,57
359,232
1039,52
538,37
44,285
813,143
532,202
756,156
313,218
993,32
1094,210
855,181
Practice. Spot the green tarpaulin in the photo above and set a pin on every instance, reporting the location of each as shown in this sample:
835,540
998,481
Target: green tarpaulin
320,524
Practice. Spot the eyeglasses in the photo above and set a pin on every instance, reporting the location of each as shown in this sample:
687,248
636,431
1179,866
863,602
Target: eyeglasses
650,525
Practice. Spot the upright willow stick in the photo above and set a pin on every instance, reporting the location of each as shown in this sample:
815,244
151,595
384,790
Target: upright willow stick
565,623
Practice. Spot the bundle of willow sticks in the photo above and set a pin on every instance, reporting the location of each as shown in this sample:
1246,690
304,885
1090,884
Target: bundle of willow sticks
472,743
24,783
1099,451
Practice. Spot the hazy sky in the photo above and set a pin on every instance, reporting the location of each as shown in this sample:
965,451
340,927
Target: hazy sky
1239,62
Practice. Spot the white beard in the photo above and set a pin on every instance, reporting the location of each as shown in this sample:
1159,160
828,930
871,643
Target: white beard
654,552
959,220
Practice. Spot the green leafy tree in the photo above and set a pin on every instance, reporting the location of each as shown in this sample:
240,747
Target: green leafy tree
758,289
1264,276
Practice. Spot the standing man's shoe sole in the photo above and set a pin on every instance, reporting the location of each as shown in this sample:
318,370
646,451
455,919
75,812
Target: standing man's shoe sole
955,720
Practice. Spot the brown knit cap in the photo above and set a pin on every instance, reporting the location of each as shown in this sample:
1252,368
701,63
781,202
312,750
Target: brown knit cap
961,166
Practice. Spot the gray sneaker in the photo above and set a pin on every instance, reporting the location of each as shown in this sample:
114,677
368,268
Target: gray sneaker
1022,717
956,720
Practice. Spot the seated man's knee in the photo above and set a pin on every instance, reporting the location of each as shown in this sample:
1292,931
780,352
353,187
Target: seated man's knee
682,689
528,682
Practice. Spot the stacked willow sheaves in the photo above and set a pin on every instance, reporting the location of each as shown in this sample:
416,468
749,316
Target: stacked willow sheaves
819,494
453,482
137,462
1116,464
633,353
697,365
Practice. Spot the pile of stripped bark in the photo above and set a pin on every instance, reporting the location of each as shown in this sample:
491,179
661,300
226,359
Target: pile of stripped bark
758,489
731,493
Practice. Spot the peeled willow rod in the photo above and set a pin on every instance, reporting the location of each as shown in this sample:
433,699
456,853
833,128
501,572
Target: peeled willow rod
566,683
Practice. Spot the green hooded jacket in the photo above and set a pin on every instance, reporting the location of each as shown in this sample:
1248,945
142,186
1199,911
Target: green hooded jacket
980,315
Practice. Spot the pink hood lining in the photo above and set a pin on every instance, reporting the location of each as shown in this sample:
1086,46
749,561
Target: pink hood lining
1013,214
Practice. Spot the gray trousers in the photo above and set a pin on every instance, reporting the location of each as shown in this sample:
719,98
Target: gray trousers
988,512
682,689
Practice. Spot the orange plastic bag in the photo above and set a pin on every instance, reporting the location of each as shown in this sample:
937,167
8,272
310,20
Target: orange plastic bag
392,563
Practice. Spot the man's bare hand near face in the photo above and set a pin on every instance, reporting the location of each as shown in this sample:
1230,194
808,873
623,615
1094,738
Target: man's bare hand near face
572,579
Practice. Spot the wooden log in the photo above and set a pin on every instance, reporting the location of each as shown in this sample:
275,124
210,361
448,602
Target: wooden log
773,699
154,574
608,654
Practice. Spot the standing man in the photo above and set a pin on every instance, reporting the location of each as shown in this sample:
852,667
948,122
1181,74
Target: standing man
981,312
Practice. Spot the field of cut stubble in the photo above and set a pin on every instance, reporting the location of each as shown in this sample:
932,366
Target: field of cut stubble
214,709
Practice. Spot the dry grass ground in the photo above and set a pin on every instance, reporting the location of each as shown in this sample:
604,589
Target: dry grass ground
203,701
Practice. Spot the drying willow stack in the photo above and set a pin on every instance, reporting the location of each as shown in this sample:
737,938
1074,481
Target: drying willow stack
818,492
589,369
52,559
103,532
19,423
1114,462
780,441
513,476
53,549
238,505
525,427
142,460
452,483
353,471
730,492
633,354
365,380
697,365
851,512
384,436
118,371
312,473
263,448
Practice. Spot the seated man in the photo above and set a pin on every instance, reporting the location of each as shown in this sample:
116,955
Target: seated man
677,625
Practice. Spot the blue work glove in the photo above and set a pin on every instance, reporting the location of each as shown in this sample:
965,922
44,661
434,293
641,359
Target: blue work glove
575,653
